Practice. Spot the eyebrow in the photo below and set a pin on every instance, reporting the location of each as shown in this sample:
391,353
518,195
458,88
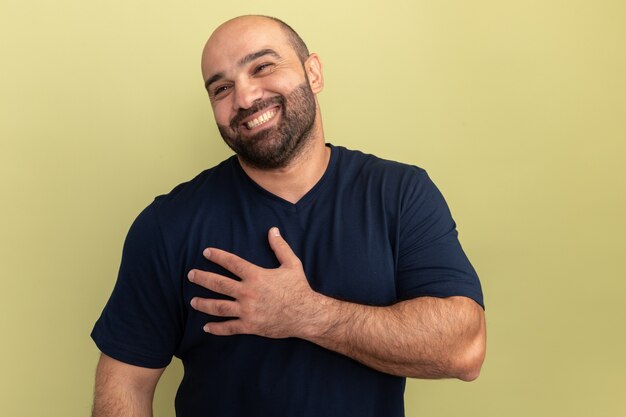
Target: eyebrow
243,61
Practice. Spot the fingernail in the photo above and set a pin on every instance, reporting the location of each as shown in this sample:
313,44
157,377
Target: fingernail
206,328
193,302
275,231
206,253
191,274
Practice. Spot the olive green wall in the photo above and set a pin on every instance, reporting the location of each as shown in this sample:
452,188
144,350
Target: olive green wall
516,108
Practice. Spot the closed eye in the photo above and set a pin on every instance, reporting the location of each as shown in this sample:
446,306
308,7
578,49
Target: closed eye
262,68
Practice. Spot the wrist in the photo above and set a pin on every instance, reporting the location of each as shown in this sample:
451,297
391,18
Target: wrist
329,321
320,318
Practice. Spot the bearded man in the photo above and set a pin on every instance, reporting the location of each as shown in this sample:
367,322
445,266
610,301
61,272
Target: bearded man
296,278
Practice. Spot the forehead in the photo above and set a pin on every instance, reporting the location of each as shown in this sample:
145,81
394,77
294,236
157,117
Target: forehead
236,39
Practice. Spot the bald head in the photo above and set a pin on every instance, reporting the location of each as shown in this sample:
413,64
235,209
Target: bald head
295,40
252,26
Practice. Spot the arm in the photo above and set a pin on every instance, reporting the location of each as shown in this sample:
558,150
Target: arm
424,337
124,390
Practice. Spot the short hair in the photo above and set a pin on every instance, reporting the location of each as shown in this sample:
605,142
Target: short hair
294,39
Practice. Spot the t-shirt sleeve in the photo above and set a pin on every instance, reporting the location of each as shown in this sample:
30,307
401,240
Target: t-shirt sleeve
141,323
431,261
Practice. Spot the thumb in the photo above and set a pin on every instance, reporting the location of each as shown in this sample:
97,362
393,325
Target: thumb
281,248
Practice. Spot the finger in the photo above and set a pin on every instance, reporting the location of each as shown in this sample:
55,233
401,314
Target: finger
215,282
281,248
231,262
224,328
221,308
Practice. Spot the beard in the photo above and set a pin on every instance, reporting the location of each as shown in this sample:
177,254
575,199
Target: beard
274,147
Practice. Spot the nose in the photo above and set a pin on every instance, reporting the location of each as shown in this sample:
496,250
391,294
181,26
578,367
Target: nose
246,93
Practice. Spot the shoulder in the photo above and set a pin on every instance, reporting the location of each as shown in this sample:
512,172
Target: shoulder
182,205
403,188
366,163
210,180
358,165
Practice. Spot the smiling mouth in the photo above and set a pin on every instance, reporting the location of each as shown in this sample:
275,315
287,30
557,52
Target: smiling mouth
261,119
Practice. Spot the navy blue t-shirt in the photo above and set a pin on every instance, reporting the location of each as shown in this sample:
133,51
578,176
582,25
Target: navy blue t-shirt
370,231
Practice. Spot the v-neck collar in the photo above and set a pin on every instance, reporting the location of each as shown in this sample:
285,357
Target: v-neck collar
280,202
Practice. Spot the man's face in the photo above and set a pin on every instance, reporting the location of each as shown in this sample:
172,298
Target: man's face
263,104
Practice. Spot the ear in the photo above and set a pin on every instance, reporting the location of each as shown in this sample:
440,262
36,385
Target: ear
313,68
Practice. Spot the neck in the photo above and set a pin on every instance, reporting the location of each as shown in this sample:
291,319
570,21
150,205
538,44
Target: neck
292,182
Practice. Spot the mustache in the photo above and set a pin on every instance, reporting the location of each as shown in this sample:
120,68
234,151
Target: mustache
256,106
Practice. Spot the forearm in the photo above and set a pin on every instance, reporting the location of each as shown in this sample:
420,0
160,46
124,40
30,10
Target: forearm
422,338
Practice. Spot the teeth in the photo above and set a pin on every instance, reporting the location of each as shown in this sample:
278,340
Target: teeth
261,119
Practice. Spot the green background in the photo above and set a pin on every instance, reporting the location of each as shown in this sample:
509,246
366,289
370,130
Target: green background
516,108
